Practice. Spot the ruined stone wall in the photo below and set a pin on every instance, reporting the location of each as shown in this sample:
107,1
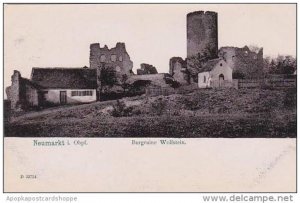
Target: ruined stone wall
244,62
202,33
21,93
31,96
6,111
156,79
178,70
146,69
13,92
116,57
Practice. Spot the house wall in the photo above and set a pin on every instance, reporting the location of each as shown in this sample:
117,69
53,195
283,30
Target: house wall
224,69
201,82
31,96
212,77
53,96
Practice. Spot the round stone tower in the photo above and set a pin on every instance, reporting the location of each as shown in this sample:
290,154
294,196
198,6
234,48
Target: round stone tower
202,34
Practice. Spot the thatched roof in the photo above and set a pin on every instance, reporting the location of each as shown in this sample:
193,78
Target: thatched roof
25,81
65,78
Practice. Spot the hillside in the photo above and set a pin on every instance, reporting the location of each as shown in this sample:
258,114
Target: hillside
202,113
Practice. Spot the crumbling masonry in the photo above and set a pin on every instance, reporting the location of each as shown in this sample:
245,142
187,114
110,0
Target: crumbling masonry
117,58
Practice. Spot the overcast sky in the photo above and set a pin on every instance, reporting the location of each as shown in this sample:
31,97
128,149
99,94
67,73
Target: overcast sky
60,35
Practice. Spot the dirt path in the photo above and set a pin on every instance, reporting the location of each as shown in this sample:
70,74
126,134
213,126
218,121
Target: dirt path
55,110
62,109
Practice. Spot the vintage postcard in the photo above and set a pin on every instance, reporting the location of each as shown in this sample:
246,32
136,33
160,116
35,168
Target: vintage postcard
150,97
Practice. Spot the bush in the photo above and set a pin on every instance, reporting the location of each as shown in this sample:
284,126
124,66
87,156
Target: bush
120,109
158,106
191,104
290,100
238,75
175,84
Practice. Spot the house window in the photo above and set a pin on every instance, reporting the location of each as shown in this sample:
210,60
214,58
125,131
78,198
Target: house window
246,53
113,58
118,69
82,93
204,79
221,64
102,58
120,58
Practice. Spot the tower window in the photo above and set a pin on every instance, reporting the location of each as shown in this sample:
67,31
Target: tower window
102,58
113,58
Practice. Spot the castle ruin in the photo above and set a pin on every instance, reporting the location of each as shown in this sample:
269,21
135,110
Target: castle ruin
178,70
202,34
202,46
117,58
61,85
246,64
146,69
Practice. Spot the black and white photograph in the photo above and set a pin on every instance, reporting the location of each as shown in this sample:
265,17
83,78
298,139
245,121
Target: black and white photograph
179,97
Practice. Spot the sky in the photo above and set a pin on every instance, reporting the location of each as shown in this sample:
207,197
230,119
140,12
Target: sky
60,35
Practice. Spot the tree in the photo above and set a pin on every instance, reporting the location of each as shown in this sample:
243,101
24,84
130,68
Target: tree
266,64
107,76
289,65
124,83
273,67
195,63
280,65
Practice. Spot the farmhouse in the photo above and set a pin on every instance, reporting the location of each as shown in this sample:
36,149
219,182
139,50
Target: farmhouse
53,86
65,85
215,73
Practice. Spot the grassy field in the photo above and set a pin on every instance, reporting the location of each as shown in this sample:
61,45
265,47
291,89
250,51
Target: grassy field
203,113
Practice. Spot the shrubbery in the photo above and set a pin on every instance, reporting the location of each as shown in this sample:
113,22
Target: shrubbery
120,109
290,100
158,107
